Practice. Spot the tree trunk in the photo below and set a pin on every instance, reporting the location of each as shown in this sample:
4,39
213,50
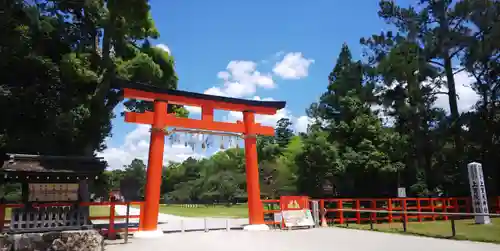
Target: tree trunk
452,99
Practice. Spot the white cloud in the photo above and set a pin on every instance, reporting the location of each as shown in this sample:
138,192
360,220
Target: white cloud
164,47
299,123
273,58
215,91
137,146
193,109
241,79
467,97
293,66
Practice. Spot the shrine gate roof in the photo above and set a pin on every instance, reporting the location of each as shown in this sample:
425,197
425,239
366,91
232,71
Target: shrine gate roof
24,163
198,96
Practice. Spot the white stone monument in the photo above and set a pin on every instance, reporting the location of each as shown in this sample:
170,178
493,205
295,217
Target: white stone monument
478,192
401,192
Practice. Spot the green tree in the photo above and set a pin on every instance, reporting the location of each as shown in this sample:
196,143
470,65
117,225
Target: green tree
482,62
359,140
133,180
267,149
438,32
317,163
283,132
77,69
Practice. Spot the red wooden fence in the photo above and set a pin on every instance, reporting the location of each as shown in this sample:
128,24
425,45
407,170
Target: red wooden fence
334,213
330,206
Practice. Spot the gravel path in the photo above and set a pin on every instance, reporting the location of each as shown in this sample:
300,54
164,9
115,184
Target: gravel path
299,240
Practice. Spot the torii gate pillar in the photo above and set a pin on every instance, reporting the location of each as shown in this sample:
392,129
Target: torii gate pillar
255,208
149,218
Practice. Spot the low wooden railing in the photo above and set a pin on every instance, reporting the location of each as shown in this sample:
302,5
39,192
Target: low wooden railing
424,207
111,231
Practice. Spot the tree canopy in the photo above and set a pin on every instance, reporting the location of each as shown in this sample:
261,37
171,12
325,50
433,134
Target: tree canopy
62,66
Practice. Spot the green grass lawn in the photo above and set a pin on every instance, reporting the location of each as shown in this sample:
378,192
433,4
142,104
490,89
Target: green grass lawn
99,210
235,211
465,229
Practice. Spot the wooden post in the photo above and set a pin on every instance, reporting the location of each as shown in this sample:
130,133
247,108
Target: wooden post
127,222
155,167
255,209
371,222
405,217
453,229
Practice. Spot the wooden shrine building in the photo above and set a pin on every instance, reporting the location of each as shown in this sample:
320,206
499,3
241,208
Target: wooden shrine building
59,181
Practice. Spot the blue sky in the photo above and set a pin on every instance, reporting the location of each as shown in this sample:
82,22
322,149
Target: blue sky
251,38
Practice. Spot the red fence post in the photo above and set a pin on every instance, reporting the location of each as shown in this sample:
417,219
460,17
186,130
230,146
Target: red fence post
2,216
373,205
467,205
141,215
358,213
456,206
432,208
444,205
389,208
498,205
341,213
111,229
419,209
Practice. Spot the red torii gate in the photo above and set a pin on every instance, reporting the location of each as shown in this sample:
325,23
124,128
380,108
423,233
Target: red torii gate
160,119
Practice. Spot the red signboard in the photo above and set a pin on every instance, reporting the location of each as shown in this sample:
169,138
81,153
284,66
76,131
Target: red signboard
290,206
294,202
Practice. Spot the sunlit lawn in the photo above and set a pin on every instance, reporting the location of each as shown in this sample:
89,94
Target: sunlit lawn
465,229
234,211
